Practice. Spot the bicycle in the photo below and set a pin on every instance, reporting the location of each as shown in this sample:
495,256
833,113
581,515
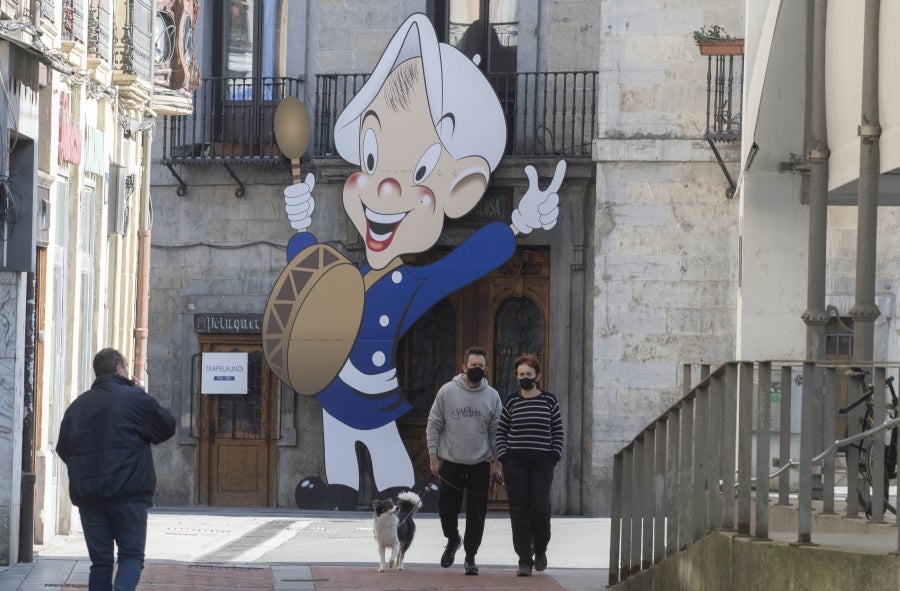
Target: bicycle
866,448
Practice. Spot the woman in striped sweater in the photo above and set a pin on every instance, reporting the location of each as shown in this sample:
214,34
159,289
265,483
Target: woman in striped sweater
529,445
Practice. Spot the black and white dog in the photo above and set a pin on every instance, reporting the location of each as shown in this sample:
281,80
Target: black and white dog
395,528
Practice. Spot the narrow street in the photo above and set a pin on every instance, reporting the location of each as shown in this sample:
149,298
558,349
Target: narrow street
214,548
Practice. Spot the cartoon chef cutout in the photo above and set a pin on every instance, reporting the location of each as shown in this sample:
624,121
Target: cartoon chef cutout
426,131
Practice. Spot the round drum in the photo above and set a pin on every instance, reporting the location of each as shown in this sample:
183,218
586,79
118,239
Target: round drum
312,318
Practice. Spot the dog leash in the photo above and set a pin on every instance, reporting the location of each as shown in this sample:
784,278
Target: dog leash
421,495
427,488
494,481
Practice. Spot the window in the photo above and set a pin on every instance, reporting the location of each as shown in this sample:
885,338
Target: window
73,20
487,31
519,328
86,268
98,29
246,39
59,320
427,356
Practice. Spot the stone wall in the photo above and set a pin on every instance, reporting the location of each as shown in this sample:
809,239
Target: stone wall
12,372
666,237
216,253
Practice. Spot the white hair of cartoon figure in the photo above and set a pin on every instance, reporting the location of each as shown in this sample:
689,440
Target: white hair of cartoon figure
464,108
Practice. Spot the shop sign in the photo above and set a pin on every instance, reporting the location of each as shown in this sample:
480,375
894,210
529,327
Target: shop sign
69,136
224,373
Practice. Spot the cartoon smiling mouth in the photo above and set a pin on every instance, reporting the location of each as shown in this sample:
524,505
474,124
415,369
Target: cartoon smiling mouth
381,228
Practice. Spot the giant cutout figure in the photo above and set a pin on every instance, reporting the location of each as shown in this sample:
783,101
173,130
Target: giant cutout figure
426,131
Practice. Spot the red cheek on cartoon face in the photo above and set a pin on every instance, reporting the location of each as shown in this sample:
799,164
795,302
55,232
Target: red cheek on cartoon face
426,198
357,181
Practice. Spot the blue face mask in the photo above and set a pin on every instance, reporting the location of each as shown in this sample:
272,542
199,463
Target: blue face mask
526,383
475,374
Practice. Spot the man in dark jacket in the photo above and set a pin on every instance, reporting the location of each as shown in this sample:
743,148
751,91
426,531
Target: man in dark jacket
105,440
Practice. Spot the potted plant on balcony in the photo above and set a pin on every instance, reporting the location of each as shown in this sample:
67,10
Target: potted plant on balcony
713,40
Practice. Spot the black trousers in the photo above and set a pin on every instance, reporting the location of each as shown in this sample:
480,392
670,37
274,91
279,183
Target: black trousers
528,491
459,481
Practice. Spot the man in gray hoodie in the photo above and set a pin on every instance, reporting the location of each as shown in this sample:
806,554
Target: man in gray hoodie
461,433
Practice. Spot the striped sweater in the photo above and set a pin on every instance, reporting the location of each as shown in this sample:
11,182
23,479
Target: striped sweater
530,425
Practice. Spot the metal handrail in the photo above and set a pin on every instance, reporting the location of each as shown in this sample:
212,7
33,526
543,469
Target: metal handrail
671,481
838,444
887,424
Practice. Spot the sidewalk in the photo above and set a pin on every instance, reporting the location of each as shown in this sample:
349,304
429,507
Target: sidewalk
191,548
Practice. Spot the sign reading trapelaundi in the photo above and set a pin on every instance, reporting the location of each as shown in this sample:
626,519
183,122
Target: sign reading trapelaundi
224,373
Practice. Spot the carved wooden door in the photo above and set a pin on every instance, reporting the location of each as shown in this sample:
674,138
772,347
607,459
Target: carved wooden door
506,312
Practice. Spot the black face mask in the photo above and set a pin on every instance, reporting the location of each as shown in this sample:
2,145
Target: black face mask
475,374
526,383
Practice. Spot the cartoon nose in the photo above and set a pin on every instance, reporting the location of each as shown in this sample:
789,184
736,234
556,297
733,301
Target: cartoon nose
388,188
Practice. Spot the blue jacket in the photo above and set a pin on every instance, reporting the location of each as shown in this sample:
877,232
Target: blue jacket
392,305
105,440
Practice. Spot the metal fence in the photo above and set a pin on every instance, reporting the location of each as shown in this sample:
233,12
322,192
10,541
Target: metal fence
547,113
232,121
694,469
232,118
724,90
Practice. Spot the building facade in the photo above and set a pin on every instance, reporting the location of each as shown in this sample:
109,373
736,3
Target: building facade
77,120
639,275
683,234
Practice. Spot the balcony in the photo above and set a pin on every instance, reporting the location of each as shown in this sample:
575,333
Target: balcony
724,90
548,114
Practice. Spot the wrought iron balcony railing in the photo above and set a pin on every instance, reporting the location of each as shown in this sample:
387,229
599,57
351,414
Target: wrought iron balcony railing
232,121
548,114
724,90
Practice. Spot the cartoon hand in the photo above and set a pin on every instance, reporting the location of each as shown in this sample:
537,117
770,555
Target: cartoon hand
539,209
299,203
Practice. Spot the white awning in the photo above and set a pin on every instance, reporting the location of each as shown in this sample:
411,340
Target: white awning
843,83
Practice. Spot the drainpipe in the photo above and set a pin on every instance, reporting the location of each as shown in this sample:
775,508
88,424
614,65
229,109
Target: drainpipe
864,311
142,315
815,315
817,152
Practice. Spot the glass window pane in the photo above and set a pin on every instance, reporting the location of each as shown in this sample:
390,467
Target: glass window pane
518,328
427,356
504,36
486,32
466,28
238,38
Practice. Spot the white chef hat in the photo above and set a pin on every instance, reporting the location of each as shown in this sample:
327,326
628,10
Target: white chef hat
464,108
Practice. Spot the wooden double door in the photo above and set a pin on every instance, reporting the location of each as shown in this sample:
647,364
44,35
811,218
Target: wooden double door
506,312
237,433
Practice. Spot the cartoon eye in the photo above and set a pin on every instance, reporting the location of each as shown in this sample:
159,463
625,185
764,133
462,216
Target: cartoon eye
370,151
427,163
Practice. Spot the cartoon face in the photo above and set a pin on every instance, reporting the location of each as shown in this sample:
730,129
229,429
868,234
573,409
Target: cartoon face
408,181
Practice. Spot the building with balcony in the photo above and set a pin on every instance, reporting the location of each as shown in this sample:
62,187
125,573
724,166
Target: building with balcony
77,118
693,228
640,273
816,329
220,234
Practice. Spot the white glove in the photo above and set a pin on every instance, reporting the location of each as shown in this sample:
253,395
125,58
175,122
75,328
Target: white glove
539,209
299,203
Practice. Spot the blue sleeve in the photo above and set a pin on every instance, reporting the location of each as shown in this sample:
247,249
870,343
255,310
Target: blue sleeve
298,242
478,255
